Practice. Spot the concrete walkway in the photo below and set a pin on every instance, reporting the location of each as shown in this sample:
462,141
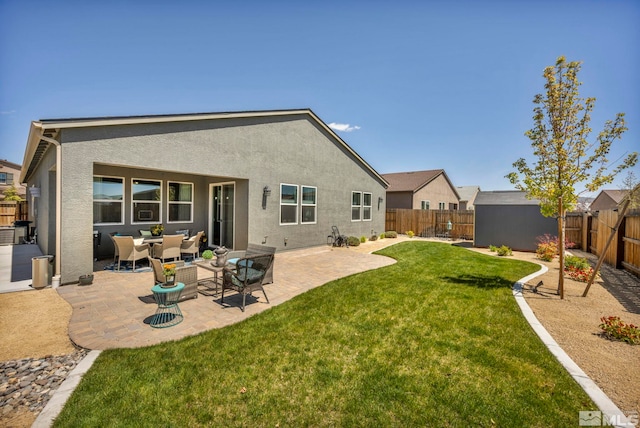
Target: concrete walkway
15,269
115,311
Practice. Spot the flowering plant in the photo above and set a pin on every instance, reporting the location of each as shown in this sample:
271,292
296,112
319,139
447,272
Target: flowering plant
157,229
615,329
577,268
169,269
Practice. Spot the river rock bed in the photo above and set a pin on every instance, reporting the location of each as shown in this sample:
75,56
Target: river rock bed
29,383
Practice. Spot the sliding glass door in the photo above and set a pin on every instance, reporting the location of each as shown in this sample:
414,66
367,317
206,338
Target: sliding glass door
222,214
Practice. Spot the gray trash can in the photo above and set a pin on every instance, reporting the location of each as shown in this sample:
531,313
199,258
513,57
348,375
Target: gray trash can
41,270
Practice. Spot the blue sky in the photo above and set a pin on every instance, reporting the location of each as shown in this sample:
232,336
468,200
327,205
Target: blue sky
422,85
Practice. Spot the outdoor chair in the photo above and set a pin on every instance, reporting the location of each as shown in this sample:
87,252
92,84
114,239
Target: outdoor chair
338,239
169,248
192,245
254,250
188,275
246,276
127,250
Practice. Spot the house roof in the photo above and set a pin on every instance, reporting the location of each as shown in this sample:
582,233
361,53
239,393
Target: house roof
616,195
504,197
8,164
45,131
467,192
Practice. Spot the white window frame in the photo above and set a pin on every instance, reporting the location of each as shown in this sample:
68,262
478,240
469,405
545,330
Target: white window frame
307,205
133,202
423,203
296,205
442,206
3,178
358,206
124,190
170,202
365,206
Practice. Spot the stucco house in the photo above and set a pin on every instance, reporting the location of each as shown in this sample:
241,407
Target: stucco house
281,178
607,200
507,217
467,196
10,176
426,190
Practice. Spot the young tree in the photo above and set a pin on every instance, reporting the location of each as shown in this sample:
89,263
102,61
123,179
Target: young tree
565,157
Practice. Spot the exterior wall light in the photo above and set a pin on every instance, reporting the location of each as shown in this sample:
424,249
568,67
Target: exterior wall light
266,191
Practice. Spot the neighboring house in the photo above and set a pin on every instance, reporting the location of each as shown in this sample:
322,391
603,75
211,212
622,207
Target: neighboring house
607,200
281,178
467,196
509,218
10,176
426,190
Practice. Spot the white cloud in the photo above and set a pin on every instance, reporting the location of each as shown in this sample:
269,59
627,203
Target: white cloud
7,112
345,127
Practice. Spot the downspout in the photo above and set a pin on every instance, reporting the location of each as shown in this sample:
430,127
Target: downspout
55,281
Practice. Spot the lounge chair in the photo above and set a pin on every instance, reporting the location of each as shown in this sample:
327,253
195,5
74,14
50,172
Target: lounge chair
246,276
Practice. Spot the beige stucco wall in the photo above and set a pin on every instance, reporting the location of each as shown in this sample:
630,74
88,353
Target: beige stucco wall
438,190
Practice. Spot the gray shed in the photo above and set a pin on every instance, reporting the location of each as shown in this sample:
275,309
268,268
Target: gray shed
507,217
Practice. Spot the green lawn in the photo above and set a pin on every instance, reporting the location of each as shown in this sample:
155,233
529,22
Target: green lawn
433,340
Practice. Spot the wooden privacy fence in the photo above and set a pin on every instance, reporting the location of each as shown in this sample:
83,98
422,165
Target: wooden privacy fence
11,211
624,251
431,223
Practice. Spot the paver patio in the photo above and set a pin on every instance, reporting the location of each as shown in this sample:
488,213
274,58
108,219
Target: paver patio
115,311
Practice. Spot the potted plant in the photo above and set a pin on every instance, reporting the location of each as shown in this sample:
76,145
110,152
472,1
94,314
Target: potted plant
169,271
156,230
207,254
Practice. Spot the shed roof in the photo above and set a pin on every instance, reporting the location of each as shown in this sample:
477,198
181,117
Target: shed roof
504,197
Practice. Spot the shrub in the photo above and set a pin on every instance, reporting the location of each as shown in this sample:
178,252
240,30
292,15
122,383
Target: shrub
504,251
373,238
409,233
382,236
391,234
614,328
577,268
547,247
363,239
353,241
493,248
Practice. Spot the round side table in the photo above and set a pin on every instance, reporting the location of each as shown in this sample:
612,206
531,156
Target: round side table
168,313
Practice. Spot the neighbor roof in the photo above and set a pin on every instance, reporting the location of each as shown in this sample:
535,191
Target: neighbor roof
467,192
504,197
616,195
45,131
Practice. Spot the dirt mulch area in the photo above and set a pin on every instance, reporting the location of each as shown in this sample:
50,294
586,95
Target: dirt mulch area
35,324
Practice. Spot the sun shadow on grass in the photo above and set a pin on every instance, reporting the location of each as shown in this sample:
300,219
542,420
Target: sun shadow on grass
480,281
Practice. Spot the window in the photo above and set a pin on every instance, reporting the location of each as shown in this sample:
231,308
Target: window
3,178
424,205
309,204
442,206
180,197
356,206
454,206
108,200
146,197
288,204
366,206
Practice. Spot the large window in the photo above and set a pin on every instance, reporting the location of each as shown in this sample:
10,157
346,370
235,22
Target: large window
180,197
366,206
442,206
146,200
288,204
3,178
309,204
424,205
356,206
108,200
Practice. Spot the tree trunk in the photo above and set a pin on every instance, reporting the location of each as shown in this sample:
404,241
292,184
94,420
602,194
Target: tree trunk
561,248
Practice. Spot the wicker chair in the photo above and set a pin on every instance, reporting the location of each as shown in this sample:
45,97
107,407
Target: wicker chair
127,250
169,248
246,276
254,250
188,275
192,245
